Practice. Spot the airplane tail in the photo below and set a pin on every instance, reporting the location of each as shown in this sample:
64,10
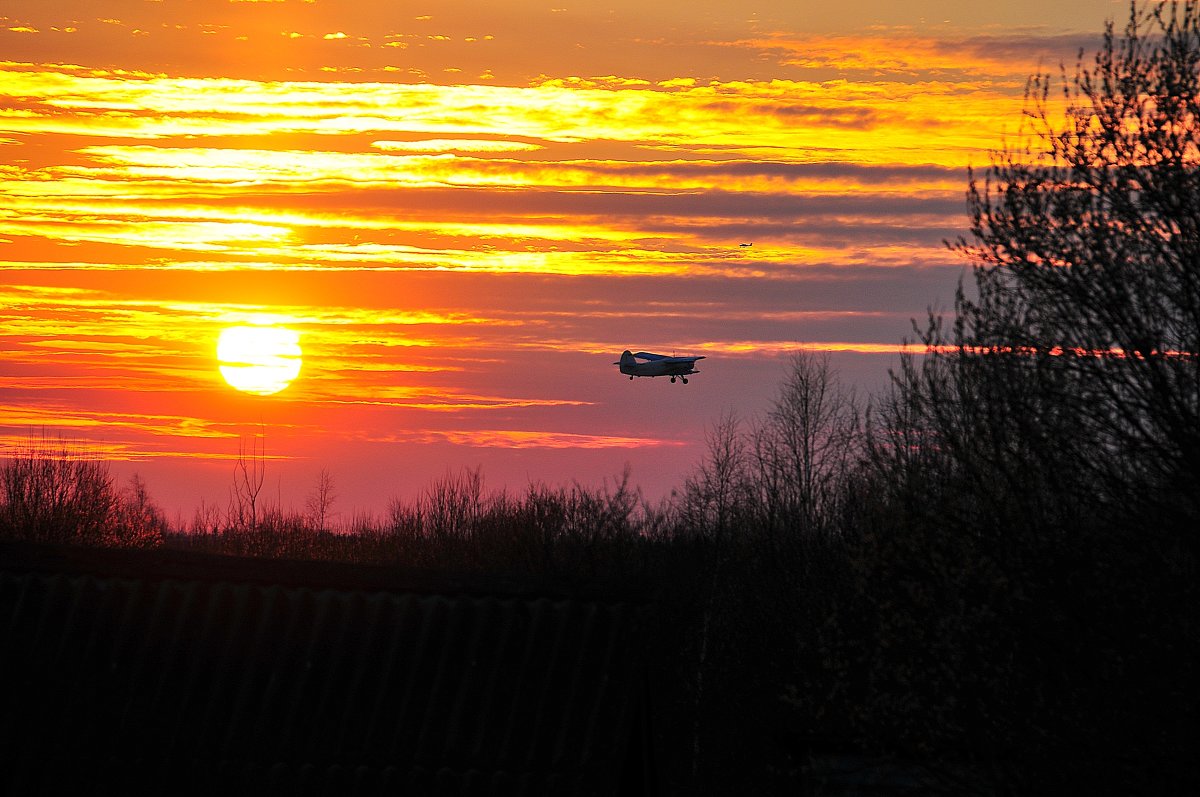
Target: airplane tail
626,362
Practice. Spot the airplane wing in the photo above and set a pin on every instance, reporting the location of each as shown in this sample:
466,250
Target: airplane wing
645,355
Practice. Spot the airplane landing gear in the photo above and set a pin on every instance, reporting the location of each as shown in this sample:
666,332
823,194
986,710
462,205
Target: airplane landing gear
672,380
684,378
631,379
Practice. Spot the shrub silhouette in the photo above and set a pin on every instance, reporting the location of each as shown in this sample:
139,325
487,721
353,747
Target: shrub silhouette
51,493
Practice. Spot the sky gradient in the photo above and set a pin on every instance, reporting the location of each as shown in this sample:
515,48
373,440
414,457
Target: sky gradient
466,211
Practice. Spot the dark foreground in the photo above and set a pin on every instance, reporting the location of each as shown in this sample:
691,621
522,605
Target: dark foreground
189,672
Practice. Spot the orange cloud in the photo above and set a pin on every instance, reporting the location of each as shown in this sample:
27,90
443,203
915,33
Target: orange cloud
509,438
1004,56
877,122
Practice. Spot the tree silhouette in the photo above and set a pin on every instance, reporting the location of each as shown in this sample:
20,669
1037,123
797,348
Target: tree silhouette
249,471
1025,545
320,500
1081,345
804,450
53,492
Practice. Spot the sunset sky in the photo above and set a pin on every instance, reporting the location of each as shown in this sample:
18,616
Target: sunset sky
467,210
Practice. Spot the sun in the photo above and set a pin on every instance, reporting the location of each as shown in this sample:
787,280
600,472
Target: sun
259,359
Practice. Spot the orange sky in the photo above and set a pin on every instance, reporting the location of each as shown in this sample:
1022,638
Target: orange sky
467,210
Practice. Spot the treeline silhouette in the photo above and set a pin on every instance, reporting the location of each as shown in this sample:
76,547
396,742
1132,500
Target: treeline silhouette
985,575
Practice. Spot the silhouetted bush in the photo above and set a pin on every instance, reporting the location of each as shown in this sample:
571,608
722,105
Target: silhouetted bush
51,493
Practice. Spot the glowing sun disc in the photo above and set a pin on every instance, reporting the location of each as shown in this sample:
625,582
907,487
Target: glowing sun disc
259,359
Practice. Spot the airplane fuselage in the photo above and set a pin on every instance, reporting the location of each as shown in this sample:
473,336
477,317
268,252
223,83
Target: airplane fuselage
658,369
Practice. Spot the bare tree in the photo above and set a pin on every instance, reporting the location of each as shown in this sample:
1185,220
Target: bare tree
452,504
248,474
206,519
718,493
140,521
805,448
716,503
51,492
320,500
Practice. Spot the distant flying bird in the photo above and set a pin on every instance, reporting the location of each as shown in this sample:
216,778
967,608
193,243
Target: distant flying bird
746,244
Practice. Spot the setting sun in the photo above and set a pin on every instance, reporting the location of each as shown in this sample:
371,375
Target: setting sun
259,359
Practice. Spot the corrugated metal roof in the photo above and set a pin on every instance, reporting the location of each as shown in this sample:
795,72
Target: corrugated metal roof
130,675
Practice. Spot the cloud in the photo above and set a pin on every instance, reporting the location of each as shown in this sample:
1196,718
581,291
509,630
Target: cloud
1012,54
511,438
457,145
835,121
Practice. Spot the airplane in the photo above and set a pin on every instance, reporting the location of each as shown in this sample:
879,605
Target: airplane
657,365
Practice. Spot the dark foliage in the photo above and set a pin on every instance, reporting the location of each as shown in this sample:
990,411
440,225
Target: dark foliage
1086,247
50,493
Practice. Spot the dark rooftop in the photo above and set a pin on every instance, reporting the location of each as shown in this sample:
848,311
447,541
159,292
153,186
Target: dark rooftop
191,673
